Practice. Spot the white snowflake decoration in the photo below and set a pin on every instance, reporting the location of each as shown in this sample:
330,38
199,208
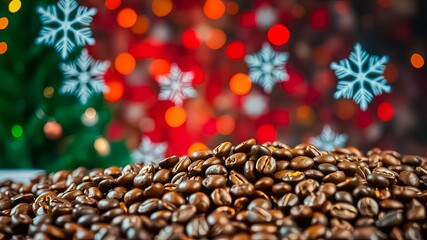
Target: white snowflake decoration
255,104
84,77
361,78
267,67
176,86
328,139
65,25
149,151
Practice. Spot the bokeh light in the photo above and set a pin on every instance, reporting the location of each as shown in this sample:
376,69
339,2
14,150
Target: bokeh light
175,116
236,50
141,25
417,60
4,21
225,125
161,8
125,63
102,146
304,115
197,146
346,109
266,133
216,39
3,47
52,130
319,18
112,4
190,39
278,34
232,8
17,131
159,67
391,73
14,6
48,92
385,111
114,92
127,17
214,9
240,84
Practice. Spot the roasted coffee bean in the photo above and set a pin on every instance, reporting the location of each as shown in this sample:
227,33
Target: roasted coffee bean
347,167
222,150
200,201
236,160
258,151
282,154
390,218
162,176
22,198
293,177
281,188
5,204
221,197
315,200
134,195
214,181
302,163
265,165
237,178
415,211
94,192
327,168
155,190
335,177
343,211
264,183
190,186
181,165
325,159
216,169
288,200
412,160
368,207
107,204
169,162
258,215
343,196
306,187
242,190
173,198
314,174
409,178
197,227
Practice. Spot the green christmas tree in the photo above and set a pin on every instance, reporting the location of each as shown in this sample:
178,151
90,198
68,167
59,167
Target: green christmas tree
39,126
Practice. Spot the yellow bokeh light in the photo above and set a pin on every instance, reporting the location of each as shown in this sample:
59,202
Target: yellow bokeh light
48,92
14,6
3,23
175,116
90,113
197,146
161,8
3,47
102,146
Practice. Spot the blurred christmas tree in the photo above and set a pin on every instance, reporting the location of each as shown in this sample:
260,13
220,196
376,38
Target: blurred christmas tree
39,127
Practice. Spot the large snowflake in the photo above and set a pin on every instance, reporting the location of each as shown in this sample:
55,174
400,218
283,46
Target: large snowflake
361,78
176,86
328,139
84,77
149,151
65,25
267,67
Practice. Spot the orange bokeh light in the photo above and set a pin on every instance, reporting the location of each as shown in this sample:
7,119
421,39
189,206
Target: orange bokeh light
3,47
112,4
214,9
225,125
240,84
4,22
159,67
161,8
115,91
345,109
126,18
197,146
125,63
141,25
175,116
232,8
417,60
216,39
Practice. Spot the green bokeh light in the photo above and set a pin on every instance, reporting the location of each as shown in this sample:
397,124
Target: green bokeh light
17,131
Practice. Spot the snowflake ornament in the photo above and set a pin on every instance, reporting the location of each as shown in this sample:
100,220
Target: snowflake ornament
149,151
267,67
84,77
65,25
176,86
361,78
328,139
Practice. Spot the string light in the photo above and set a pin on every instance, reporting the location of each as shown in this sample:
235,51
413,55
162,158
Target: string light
215,39
240,84
125,63
385,111
197,146
17,131
90,117
48,92
175,116
112,4
126,18
278,34
236,50
214,9
115,91
417,60
3,47
14,6
4,21
190,39
52,130
102,146
161,8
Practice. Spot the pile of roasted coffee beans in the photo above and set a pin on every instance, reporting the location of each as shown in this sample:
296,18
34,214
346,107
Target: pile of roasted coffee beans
248,191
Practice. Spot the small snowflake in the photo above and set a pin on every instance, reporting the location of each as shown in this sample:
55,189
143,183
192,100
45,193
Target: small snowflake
328,139
176,86
361,78
149,152
66,28
267,67
84,77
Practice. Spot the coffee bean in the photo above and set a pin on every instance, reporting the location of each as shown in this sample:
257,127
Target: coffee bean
200,201
368,207
306,187
242,190
315,232
181,165
169,162
327,168
315,200
390,218
281,188
328,158
301,163
173,198
258,215
258,151
264,183
221,197
288,200
236,160
343,196
413,160
347,167
134,195
409,178
282,154
216,169
314,174
223,149
162,176
415,211
261,203
197,227
155,190
190,186
293,177
212,161
237,178
265,165
214,181
343,211
335,177
5,204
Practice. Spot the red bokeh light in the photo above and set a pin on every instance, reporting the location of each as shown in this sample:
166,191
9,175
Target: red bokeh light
278,35
190,40
248,19
266,133
319,18
236,50
363,119
385,111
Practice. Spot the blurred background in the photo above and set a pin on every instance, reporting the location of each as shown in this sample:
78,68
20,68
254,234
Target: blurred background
142,39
